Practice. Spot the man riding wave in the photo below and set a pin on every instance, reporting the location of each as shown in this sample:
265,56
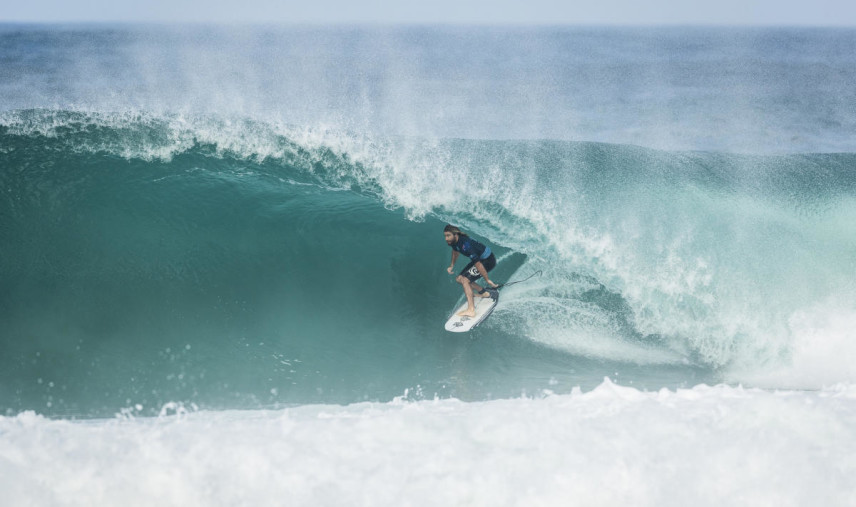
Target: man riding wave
481,262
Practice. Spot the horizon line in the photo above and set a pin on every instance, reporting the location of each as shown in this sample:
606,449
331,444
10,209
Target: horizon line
503,24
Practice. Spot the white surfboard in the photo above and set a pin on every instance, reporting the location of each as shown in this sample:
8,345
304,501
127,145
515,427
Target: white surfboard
483,306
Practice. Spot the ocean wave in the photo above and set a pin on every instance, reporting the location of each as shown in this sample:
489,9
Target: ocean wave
732,263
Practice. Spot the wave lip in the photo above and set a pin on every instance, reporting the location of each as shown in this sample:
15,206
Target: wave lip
767,90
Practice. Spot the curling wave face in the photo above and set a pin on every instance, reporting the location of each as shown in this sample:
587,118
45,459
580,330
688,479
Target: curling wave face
236,262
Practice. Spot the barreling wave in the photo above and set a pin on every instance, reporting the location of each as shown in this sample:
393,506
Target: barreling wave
224,253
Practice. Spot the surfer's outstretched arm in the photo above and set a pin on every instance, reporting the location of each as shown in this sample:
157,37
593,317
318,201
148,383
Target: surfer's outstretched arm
451,267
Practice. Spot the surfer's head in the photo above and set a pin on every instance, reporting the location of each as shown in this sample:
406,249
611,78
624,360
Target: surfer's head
452,234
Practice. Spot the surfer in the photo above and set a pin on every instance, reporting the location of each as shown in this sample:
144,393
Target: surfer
482,261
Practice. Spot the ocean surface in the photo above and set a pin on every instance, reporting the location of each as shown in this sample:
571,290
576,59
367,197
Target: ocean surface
223,277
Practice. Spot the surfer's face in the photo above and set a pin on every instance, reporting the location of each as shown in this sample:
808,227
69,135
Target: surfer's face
451,239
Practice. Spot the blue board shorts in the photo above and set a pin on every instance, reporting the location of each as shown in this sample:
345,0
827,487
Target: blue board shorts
471,272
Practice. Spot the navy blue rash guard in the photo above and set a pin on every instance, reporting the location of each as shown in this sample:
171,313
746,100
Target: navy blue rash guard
471,248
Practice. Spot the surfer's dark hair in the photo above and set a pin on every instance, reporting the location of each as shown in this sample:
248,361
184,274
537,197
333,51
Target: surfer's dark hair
454,230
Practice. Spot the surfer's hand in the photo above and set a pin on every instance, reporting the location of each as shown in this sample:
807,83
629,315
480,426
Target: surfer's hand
491,283
449,269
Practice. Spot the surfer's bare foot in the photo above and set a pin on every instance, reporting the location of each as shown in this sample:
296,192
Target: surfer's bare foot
467,313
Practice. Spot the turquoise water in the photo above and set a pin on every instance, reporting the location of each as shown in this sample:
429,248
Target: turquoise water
195,227
221,278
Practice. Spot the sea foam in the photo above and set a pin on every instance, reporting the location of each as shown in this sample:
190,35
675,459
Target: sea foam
613,445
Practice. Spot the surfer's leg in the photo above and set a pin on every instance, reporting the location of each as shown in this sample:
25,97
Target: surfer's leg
467,278
468,290
478,290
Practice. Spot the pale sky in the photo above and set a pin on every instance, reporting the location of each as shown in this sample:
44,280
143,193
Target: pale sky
554,12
